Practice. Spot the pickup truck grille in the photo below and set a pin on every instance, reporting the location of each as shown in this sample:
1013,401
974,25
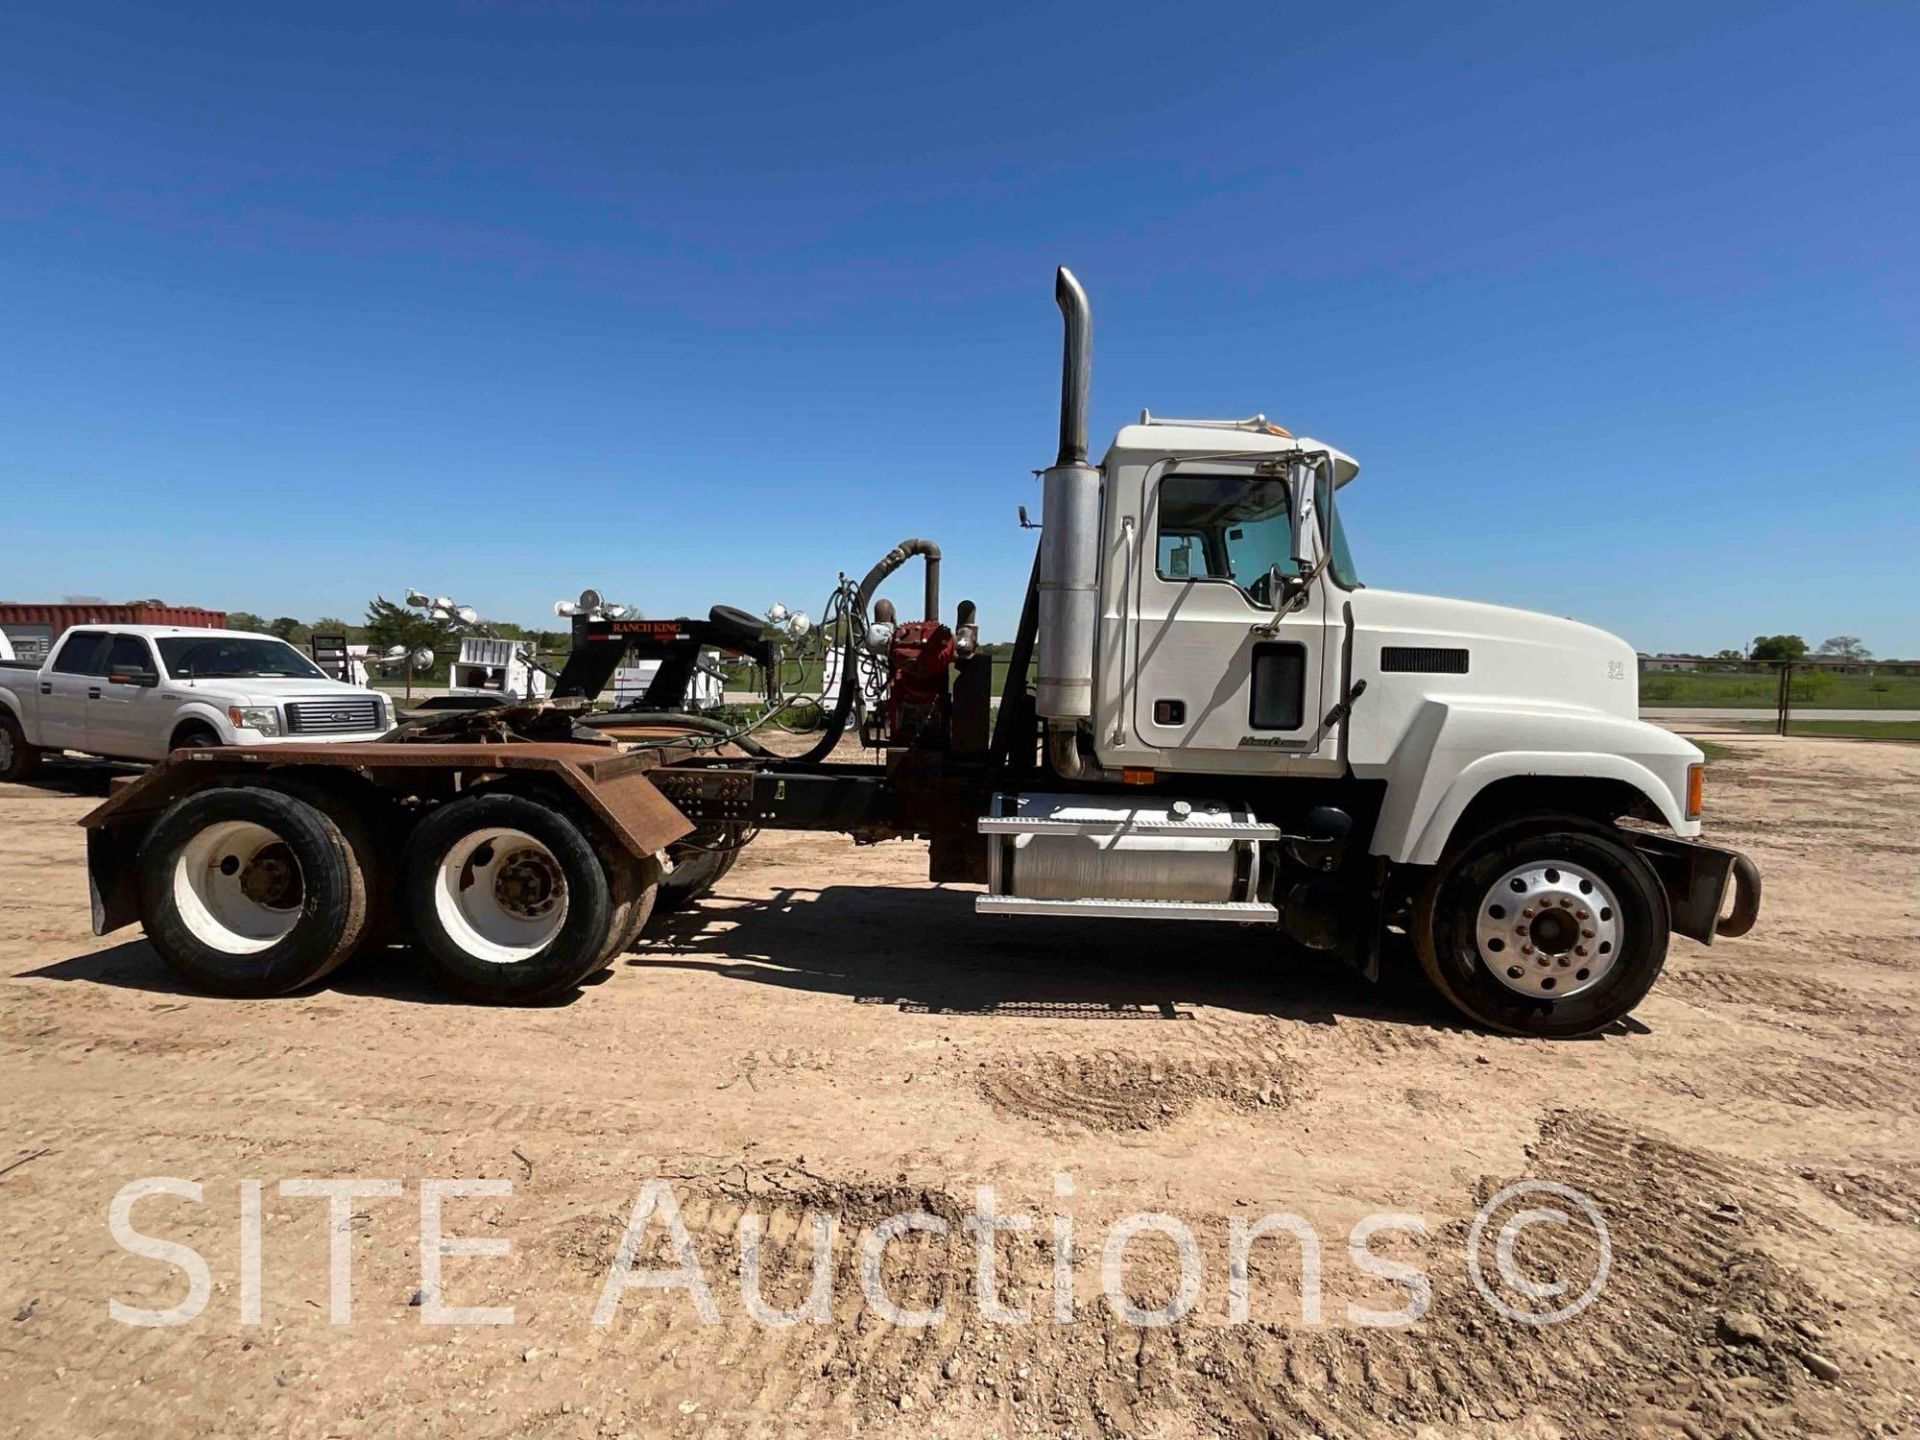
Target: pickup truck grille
333,717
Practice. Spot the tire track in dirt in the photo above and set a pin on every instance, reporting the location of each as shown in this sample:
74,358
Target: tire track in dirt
1797,993
1646,1356
1116,1090
1754,1082
1890,1199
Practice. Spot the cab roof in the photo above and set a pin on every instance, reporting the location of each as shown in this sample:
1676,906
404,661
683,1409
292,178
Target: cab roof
155,632
1155,439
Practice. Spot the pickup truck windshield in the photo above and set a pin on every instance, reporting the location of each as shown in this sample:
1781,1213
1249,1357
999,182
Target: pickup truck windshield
219,658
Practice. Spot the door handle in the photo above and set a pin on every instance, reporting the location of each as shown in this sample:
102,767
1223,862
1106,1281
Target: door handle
93,692
46,687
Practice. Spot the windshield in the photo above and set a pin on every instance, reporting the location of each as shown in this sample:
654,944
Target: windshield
221,657
1340,558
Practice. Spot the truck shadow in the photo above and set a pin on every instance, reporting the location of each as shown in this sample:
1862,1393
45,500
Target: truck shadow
926,951
88,779
396,973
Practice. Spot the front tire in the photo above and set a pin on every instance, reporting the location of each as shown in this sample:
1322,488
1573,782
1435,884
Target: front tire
250,893
1550,926
507,898
195,737
18,759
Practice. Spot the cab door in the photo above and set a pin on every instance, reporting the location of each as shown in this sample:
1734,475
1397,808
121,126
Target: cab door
1219,682
78,671
128,721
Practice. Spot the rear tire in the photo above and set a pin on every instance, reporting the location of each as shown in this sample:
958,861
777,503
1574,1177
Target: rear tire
696,870
248,892
372,852
18,759
507,898
636,889
1551,926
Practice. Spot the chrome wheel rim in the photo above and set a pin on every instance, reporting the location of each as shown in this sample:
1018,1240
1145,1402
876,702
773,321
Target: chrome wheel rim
1549,930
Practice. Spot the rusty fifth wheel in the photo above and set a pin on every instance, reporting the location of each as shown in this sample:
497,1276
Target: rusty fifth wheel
248,892
508,898
1549,926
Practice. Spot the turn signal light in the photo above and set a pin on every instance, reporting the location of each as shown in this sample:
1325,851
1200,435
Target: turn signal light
1136,775
1696,787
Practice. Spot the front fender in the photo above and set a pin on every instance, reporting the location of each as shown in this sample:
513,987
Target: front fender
1455,749
207,714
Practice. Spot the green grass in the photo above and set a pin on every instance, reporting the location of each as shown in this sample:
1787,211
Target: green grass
1714,752
1903,730
1762,691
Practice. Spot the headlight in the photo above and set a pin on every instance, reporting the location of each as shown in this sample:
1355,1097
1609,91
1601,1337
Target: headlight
264,718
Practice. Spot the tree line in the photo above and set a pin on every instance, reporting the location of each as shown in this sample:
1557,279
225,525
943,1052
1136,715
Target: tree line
388,624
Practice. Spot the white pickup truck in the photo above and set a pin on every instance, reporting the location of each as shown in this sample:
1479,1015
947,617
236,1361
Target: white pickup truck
136,692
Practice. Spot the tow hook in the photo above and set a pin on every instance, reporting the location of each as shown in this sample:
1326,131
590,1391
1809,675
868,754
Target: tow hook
1746,899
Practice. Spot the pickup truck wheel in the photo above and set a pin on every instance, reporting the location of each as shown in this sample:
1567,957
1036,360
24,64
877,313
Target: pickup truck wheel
507,898
248,892
18,759
1551,926
195,737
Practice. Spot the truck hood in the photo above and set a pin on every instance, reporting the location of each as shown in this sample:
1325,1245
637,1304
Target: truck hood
1519,656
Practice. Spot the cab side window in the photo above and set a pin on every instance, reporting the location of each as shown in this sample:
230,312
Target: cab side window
83,652
128,652
1222,527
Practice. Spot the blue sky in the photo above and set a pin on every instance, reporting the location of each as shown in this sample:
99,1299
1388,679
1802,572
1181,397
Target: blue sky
706,302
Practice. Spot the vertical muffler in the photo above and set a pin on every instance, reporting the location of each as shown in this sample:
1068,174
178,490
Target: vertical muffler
1069,543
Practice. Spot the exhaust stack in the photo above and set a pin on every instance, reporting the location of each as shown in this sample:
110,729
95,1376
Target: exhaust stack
1076,367
1069,539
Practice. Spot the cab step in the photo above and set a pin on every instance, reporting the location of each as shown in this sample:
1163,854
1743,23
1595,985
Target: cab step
1244,912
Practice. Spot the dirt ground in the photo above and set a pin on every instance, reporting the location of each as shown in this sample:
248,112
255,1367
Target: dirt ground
827,1035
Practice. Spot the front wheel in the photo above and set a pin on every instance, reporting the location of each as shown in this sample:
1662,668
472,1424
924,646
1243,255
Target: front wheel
1550,926
507,898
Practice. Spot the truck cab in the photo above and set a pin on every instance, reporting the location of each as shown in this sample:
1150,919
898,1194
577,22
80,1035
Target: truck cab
1236,638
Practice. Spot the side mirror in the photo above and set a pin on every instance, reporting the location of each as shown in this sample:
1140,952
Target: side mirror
1306,519
145,679
1284,589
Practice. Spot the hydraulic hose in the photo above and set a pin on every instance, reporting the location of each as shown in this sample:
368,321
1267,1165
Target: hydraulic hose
675,719
856,625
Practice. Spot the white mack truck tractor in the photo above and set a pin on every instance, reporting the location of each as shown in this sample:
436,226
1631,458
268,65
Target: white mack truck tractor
1207,718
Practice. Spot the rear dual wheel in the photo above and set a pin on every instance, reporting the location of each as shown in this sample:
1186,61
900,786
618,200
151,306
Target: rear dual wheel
699,863
512,904
250,892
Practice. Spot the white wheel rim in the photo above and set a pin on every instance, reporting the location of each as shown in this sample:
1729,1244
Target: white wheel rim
238,887
501,895
1549,930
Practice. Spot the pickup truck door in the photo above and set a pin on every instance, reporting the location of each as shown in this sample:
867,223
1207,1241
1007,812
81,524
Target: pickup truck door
128,722
1218,685
78,669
